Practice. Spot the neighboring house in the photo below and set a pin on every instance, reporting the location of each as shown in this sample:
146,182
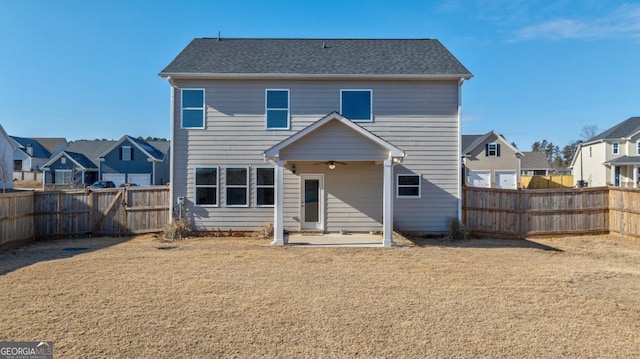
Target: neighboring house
318,135
70,168
535,163
132,160
610,158
490,161
7,146
29,154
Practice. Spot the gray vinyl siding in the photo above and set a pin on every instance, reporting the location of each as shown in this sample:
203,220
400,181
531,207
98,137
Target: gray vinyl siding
139,164
419,117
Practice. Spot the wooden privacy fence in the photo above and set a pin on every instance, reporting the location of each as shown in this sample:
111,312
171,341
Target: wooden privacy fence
624,211
543,182
54,214
518,213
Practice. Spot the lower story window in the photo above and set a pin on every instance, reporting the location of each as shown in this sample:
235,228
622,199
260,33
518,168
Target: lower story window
408,186
207,186
237,185
63,177
265,189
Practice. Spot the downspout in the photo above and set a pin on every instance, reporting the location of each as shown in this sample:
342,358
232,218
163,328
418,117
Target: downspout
459,134
171,144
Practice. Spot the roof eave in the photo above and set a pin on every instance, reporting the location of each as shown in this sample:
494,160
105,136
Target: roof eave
302,76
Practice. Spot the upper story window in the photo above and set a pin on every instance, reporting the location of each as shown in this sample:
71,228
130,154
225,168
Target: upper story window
492,150
126,153
207,186
615,148
408,186
357,105
193,108
265,187
237,184
638,150
63,160
590,152
277,109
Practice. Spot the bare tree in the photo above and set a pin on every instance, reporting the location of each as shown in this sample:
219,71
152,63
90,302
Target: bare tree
5,173
588,132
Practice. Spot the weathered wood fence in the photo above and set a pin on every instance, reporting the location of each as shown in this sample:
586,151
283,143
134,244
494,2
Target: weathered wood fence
544,182
522,213
31,215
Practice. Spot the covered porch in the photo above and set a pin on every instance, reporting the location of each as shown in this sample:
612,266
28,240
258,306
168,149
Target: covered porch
625,171
334,176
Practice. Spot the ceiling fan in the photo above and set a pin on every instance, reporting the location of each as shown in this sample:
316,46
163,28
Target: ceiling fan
331,164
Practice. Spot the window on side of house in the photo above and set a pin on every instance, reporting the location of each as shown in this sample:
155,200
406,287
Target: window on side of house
206,186
126,153
357,105
193,111
638,148
615,148
277,109
590,152
63,160
408,186
17,165
492,150
62,177
237,186
265,187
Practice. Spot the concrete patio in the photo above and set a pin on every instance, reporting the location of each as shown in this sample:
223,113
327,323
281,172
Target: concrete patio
334,240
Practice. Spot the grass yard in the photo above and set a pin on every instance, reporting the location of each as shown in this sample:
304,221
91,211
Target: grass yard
235,297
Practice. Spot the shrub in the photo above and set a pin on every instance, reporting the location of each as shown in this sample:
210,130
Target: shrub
266,231
177,229
457,230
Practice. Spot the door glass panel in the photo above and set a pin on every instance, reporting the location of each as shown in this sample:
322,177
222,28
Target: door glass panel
311,200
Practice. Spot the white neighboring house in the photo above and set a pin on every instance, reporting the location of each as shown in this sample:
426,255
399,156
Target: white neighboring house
7,146
611,158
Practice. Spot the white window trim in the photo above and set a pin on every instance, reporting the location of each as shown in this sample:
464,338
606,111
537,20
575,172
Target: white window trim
196,186
615,148
264,186
129,150
203,108
64,171
266,109
246,187
398,185
63,160
370,103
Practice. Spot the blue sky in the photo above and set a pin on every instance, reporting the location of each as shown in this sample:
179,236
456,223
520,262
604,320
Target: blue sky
542,69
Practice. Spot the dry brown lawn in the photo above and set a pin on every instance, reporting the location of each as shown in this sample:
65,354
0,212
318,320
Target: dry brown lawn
224,297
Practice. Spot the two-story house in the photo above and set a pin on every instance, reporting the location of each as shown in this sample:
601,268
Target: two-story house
610,158
316,134
133,160
32,153
490,161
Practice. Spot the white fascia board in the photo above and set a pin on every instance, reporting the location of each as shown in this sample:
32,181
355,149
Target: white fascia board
295,76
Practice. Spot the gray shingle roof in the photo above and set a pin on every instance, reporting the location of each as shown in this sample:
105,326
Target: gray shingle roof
534,160
316,57
51,143
39,151
624,129
91,149
82,160
470,141
624,160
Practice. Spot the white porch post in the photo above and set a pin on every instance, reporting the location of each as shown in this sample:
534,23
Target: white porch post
387,204
635,176
613,175
278,211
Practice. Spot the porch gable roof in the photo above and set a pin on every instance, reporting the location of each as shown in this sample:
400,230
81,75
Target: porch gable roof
274,152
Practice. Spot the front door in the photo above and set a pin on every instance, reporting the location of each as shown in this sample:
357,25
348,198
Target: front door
312,202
